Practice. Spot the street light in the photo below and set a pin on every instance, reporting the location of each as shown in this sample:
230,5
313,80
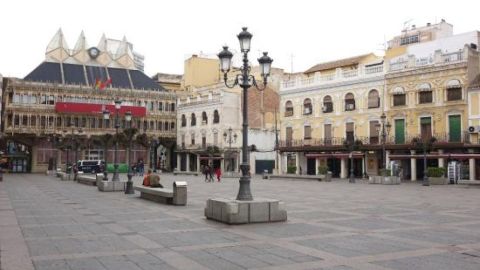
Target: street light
384,127
245,81
426,145
118,105
106,117
129,187
351,145
229,140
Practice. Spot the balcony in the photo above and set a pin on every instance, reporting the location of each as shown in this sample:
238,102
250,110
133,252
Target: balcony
375,142
340,75
439,58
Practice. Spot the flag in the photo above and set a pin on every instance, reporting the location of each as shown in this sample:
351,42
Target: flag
98,83
105,83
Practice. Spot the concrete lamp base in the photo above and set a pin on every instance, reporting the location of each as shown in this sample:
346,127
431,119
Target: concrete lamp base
111,186
231,211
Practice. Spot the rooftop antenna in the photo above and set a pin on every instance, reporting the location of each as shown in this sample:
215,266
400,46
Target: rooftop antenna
406,25
291,64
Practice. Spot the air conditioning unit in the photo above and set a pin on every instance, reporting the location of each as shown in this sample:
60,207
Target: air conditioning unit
350,107
473,129
306,110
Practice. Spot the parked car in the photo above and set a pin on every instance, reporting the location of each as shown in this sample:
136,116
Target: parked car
91,166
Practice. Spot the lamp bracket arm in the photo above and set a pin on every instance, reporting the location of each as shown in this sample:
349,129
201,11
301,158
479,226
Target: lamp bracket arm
254,81
225,79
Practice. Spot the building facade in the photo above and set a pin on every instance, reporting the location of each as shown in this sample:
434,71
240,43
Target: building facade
331,115
55,113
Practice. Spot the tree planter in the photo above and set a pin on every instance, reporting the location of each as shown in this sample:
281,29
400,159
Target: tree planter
438,180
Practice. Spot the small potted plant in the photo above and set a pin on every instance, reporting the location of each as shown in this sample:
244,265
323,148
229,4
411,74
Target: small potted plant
292,169
324,173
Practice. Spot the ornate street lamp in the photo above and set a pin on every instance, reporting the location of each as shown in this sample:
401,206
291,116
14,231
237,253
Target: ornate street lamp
106,117
245,81
129,187
426,144
228,138
118,105
384,127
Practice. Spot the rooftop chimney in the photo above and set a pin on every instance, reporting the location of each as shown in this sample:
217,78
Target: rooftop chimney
428,24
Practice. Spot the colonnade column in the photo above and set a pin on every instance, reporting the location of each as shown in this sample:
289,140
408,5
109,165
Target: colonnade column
179,160
441,161
343,168
413,166
188,162
471,166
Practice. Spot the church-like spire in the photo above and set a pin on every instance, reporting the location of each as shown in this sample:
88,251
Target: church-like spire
102,45
57,42
81,44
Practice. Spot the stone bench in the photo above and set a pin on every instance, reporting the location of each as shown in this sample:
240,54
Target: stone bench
65,176
296,177
185,173
90,180
384,180
175,196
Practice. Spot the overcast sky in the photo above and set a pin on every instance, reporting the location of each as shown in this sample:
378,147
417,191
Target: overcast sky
167,32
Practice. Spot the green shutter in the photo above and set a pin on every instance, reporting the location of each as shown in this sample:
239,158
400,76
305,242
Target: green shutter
454,128
399,131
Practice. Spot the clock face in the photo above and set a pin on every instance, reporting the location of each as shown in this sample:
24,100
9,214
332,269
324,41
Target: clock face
93,52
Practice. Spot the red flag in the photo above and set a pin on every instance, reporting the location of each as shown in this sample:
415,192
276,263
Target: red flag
98,84
105,83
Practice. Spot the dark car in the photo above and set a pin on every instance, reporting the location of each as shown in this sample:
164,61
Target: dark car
91,166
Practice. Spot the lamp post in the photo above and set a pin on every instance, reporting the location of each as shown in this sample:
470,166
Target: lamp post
129,187
351,145
106,117
229,140
75,134
118,105
426,145
384,127
245,81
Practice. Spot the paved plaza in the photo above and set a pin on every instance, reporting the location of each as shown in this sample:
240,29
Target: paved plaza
61,225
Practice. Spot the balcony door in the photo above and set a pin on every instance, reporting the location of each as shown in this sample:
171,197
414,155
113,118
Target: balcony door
288,137
399,131
454,130
328,133
426,127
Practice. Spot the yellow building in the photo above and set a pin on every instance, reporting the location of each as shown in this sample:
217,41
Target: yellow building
329,104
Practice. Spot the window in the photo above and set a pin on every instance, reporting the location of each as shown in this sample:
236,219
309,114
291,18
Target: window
204,118
33,121
24,121
409,40
51,100
150,106
349,132
454,90
307,106
204,142
183,140
172,125
374,132
327,104
184,120
288,108
160,106
425,97
193,121
16,98
327,131
59,122
216,117
349,102
215,138
172,106
289,135
373,99
307,132
193,138
399,99
426,127
425,93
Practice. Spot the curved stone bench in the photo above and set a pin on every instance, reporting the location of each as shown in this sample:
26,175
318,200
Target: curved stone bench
175,196
87,179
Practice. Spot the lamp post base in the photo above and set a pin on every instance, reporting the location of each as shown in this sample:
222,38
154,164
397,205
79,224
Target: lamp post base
231,211
129,186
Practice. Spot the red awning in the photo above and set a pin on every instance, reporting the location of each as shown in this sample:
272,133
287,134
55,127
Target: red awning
90,108
436,156
333,155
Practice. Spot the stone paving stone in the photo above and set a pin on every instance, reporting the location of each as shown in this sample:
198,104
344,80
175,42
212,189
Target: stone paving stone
118,263
310,215
287,229
177,239
368,223
429,218
211,261
149,262
51,265
85,264
356,245
339,267
442,236
445,261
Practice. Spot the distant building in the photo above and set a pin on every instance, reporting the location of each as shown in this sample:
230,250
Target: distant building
171,82
68,92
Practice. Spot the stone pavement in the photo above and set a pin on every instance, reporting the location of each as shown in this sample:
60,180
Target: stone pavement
51,224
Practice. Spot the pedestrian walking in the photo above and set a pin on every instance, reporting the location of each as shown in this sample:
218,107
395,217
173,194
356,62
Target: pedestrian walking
218,172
